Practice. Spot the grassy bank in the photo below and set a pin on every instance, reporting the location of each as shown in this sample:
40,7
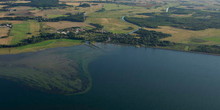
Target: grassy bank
40,46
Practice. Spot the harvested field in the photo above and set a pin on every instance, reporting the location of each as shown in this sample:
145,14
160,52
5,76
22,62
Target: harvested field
3,33
22,11
8,21
65,24
176,15
3,14
1,6
53,12
113,25
189,36
5,41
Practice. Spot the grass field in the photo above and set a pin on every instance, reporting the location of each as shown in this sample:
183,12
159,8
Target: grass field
34,28
114,25
55,16
208,36
19,32
215,39
41,46
24,30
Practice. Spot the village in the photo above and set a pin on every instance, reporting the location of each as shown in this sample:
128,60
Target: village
75,30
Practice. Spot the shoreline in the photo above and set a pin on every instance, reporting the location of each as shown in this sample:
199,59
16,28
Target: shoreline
43,48
164,48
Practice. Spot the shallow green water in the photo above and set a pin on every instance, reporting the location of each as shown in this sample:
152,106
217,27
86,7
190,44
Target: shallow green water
126,78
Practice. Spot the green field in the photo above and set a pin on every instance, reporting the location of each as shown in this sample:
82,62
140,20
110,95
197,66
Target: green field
41,46
24,30
55,16
19,32
214,39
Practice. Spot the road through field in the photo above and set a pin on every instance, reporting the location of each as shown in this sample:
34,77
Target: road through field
123,19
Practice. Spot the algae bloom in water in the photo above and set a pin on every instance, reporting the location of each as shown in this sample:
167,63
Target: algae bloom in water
60,70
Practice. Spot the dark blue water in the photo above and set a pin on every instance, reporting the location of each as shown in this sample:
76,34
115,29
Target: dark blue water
131,78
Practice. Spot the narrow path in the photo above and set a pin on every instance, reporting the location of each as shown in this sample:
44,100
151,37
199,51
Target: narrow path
123,19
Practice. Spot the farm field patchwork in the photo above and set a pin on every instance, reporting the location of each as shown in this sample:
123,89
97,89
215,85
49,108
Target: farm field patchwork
207,36
111,18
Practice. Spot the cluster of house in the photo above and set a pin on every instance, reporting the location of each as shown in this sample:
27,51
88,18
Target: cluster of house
74,30
6,25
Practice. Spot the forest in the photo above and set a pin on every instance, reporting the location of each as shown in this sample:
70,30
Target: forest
200,20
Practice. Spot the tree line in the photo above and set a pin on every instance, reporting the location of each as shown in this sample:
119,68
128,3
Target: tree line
147,38
79,17
144,38
34,3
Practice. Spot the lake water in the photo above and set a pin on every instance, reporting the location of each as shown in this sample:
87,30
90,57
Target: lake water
129,78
